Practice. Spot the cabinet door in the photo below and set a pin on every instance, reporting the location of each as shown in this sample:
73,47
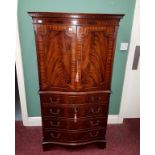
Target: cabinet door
95,49
56,56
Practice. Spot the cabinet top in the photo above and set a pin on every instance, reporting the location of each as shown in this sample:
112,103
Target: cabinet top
74,15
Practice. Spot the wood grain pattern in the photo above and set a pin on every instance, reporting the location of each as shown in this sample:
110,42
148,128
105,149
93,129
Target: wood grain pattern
69,124
74,136
56,56
93,57
75,57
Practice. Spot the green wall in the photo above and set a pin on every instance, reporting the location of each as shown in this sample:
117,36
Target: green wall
28,49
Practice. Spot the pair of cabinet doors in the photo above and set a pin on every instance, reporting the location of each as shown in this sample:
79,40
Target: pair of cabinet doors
75,57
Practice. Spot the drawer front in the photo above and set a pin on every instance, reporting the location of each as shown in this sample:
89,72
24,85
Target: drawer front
54,110
63,98
75,99
54,98
96,110
97,98
68,136
71,124
73,110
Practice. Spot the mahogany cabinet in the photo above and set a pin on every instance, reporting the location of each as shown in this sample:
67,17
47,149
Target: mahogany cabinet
75,57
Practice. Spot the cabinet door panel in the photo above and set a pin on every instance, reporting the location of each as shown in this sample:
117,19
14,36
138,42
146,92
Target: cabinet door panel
95,51
56,45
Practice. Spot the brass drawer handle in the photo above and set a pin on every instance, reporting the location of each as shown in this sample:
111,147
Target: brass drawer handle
94,134
97,111
93,123
92,98
56,124
99,98
56,112
52,101
57,135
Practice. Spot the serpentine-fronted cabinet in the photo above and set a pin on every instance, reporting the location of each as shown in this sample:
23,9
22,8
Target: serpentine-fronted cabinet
75,58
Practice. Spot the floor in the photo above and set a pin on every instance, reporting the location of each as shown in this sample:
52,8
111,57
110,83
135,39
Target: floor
122,139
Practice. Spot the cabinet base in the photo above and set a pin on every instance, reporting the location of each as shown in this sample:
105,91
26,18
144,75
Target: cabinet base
49,145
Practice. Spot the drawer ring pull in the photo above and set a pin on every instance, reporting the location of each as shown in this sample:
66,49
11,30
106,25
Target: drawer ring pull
55,135
92,98
99,98
57,124
55,113
97,111
95,123
52,101
95,134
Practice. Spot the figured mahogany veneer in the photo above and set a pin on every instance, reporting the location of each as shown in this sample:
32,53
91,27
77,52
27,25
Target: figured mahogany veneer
53,98
81,110
75,57
70,124
73,137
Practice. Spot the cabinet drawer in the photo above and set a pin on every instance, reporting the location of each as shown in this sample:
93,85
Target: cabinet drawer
63,98
54,98
75,99
68,136
71,124
96,110
97,98
55,110
74,110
